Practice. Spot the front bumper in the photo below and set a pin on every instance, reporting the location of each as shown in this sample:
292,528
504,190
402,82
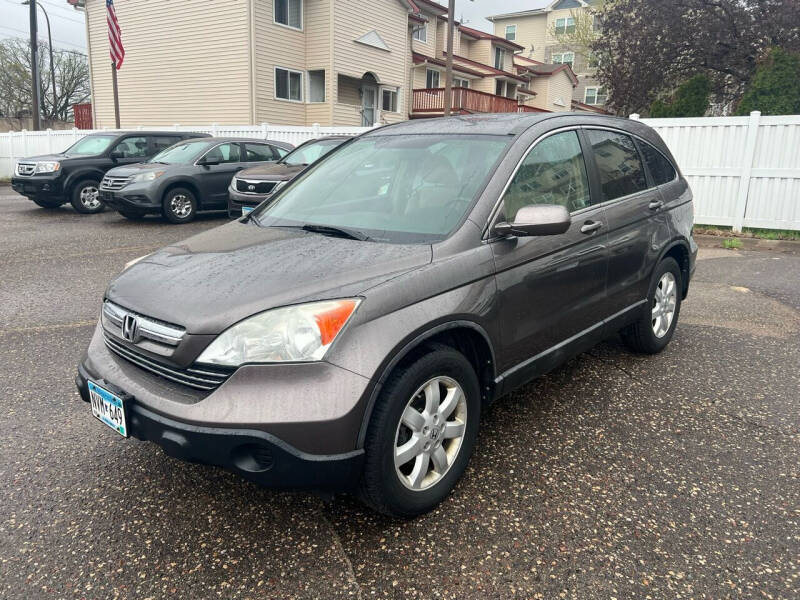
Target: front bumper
133,198
236,200
39,186
286,426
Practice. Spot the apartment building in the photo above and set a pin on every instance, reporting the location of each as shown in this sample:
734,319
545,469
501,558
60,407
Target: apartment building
300,62
540,32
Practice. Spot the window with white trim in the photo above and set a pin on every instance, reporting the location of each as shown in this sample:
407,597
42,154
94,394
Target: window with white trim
421,33
595,95
288,84
431,78
499,87
499,58
511,32
389,100
316,86
458,82
289,13
565,25
563,58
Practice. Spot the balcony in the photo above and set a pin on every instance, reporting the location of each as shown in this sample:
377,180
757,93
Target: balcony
429,102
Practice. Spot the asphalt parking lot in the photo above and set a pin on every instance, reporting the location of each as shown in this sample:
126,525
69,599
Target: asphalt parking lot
616,476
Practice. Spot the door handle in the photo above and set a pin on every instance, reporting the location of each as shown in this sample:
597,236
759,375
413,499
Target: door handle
591,226
655,205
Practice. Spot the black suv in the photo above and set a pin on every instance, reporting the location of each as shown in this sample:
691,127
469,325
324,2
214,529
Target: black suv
74,175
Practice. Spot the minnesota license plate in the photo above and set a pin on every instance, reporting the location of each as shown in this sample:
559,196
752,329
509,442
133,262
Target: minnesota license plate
108,408
247,210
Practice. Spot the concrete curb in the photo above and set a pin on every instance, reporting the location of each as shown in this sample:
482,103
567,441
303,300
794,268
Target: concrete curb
715,241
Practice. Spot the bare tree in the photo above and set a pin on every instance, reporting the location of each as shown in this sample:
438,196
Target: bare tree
71,74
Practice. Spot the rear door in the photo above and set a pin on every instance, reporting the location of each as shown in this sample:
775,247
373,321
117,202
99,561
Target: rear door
215,179
551,288
637,225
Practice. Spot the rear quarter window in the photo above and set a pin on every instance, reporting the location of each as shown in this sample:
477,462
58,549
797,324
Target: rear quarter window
661,170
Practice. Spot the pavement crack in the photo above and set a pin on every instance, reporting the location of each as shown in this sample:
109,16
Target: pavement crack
337,542
615,365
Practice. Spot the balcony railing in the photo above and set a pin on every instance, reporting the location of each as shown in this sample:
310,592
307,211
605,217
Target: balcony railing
431,100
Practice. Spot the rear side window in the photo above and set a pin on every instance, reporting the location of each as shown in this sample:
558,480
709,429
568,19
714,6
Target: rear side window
552,173
618,164
259,152
661,170
132,147
224,153
161,142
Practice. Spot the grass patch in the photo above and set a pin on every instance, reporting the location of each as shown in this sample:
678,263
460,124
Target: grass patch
732,243
5,179
748,232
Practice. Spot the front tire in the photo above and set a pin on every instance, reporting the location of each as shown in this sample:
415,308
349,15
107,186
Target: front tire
421,433
86,197
653,331
179,206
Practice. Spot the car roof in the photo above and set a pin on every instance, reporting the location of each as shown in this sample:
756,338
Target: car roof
223,140
195,134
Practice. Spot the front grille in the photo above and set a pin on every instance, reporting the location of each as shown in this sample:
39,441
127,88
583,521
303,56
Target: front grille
26,169
198,377
255,187
140,326
111,182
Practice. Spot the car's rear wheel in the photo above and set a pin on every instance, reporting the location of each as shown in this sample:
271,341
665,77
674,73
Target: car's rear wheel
179,206
654,329
86,197
421,433
44,203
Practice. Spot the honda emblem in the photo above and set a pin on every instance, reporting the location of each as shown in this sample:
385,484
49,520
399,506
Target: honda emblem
130,329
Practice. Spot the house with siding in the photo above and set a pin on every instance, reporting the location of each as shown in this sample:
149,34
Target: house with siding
540,31
300,62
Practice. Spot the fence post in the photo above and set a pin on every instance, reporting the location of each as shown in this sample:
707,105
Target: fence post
634,117
11,150
315,129
747,169
24,142
49,141
74,134
265,130
175,127
214,132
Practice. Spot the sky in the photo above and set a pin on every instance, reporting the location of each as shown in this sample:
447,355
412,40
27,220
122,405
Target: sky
69,31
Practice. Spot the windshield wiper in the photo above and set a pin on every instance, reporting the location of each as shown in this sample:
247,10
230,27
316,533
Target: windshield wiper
343,232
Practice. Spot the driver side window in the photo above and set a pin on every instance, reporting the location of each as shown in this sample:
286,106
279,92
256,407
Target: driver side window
553,172
224,153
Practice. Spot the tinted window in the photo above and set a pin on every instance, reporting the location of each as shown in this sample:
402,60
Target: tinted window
553,173
224,153
618,164
259,152
132,147
161,142
661,169
397,188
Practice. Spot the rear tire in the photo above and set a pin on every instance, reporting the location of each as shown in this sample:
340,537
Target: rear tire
85,197
179,206
651,333
421,433
47,203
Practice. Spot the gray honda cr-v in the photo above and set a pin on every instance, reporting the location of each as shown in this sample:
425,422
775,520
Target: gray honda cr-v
347,335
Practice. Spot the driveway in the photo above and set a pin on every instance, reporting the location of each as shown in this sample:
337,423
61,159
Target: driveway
672,476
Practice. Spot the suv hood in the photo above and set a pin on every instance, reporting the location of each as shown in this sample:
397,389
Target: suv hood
270,172
43,157
126,170
219,277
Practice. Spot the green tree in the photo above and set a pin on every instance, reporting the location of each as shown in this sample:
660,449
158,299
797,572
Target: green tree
689,100
775,87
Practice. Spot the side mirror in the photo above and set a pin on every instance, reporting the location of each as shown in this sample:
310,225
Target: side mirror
208,162
116,155
538,219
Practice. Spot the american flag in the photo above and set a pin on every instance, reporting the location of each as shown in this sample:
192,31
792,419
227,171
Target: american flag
114,35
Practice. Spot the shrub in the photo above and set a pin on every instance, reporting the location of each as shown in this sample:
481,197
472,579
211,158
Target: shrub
775,86
689,100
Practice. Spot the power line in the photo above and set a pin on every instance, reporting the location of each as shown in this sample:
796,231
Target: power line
55,16
42,39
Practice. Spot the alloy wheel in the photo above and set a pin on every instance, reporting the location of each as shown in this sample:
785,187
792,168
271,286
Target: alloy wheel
430,433
180,205
90,197
664,302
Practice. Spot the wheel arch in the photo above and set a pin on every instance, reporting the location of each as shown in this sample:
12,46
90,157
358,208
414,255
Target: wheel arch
183,183
468,337
75,178
678,249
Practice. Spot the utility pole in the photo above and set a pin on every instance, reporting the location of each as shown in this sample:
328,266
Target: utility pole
50,47
34,69
448,74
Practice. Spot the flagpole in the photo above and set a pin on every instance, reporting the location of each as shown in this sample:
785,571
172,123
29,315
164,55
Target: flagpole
116,93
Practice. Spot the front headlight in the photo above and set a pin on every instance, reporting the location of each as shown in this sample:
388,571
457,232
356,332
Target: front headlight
279,185
148,176
300,333
47,167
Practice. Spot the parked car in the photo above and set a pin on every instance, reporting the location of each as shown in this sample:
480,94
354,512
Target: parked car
348,334
186,178
74,175
251,187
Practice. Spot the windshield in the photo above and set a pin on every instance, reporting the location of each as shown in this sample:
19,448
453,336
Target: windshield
398,188
308,153
90,145
180,154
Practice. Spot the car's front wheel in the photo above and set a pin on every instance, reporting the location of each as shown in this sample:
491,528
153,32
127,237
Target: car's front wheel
654,329
421,433
179,206
86,197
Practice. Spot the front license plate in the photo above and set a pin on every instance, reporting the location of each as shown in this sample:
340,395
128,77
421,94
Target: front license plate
108,408
247,209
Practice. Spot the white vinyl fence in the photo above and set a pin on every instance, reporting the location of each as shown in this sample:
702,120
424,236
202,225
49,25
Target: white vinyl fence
20,144
744,171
